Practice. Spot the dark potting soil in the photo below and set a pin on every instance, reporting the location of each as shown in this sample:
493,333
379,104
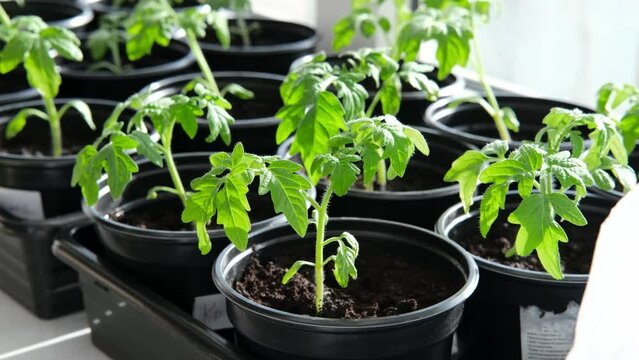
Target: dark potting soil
165,214
159,56
35,141
391,281
253,108
13,82
576,255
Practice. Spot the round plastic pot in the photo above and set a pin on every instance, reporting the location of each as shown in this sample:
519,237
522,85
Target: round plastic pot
417,207
414,103
78,80
43,183
275,334
471,123
73,15
101,7
276,45
255,122
497,316
169,261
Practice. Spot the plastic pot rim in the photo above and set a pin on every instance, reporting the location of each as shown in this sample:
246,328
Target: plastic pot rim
183,62
443,227
337,325
287,47
83,18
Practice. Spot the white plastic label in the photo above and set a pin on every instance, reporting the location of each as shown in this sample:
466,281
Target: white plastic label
211,310
22,204
546,335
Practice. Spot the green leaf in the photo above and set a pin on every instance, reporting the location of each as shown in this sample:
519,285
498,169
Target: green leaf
65,42
15,51
510,118
220,24
626,176
343,33
204,241
19,121
567,209
344,263
82,108
534,214
465,170
417,139
390,96
503,170
322,120
548,253
219,121
119,167
287,189
494,199
186,114
148,148
232,211
399,150
294,269
87,172
344,175
42,73
603,180
238,91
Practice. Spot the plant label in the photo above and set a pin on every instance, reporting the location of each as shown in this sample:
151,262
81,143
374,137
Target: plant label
211,310
22,204
546,335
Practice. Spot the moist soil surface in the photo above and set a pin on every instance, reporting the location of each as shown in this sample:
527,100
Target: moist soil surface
165,214
576,255
264,35
391,281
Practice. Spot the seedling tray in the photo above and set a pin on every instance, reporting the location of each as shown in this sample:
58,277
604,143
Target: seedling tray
30,274
129,320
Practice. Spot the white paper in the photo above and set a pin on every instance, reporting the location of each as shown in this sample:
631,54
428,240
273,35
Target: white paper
546,335
607,323
23,204
211,310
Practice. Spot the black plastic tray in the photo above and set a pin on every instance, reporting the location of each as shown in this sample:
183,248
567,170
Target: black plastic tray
30,274
128,320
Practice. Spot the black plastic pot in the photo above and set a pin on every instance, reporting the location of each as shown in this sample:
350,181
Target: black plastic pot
73,15
255,124
79,81
471,123
414,103
421,207
15,88
492,327
44,182
29,273
276,44
128,319
169,261
275,334
101,7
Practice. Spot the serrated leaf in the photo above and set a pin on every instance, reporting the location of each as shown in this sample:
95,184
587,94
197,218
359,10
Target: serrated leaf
494,199
287,189
465,170
42,73
344,263
119,168
86,172
567,209
603,180
65,42
418,139
232,211
390,96
343,33
344,175
148,148
15,51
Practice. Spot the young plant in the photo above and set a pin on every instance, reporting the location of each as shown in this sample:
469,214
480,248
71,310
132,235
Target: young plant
318,98
242,9
110,153
107,39
543,174
621,102
450,24
155,21
31,42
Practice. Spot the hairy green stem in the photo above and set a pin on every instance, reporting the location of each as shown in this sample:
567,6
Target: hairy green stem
373,104
54,126
201,61
322,213
115,54
4,17
170,163
490,95
381,175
